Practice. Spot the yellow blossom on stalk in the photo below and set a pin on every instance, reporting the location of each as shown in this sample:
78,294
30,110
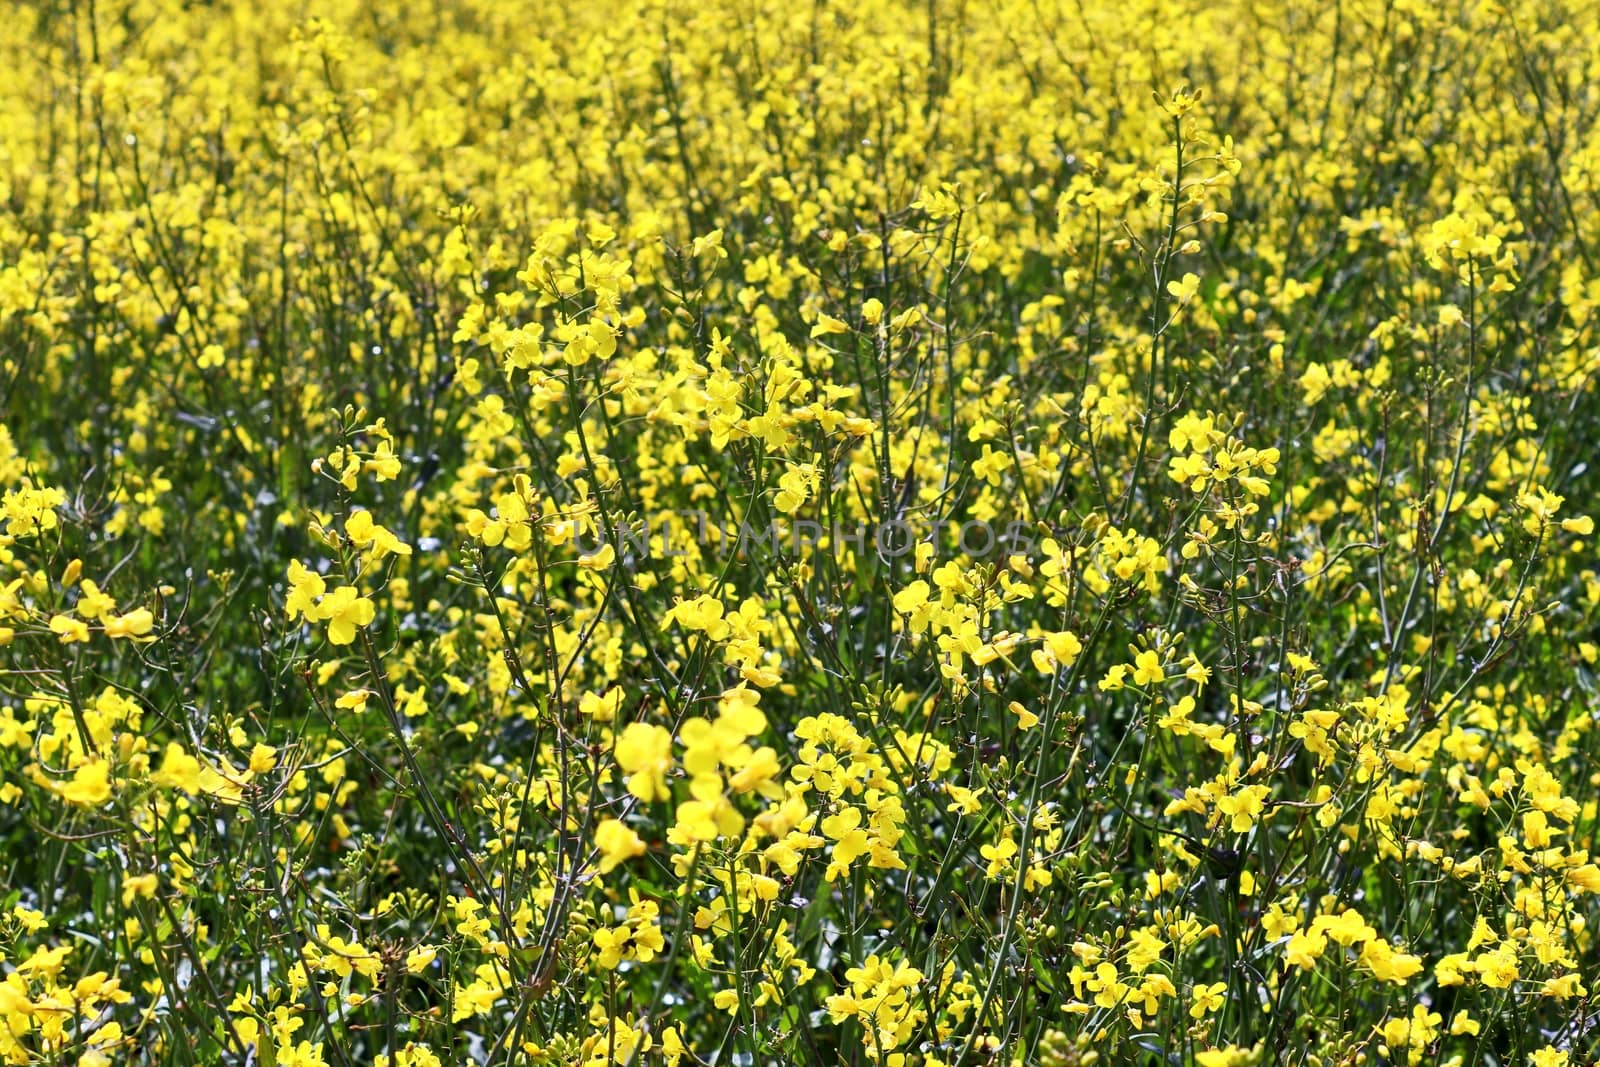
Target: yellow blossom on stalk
1184,289
373,539
134,624
1207,999
89,786
827,324
92,603
346,611
599,560
68,629
305,590
617,844
645,753
1148,668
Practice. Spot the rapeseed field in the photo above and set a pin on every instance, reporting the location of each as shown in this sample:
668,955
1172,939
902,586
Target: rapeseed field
1047,532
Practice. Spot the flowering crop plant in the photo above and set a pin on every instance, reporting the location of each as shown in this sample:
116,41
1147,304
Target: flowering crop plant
1047,532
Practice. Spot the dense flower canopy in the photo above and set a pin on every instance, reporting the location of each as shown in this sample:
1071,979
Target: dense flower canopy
1043,532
